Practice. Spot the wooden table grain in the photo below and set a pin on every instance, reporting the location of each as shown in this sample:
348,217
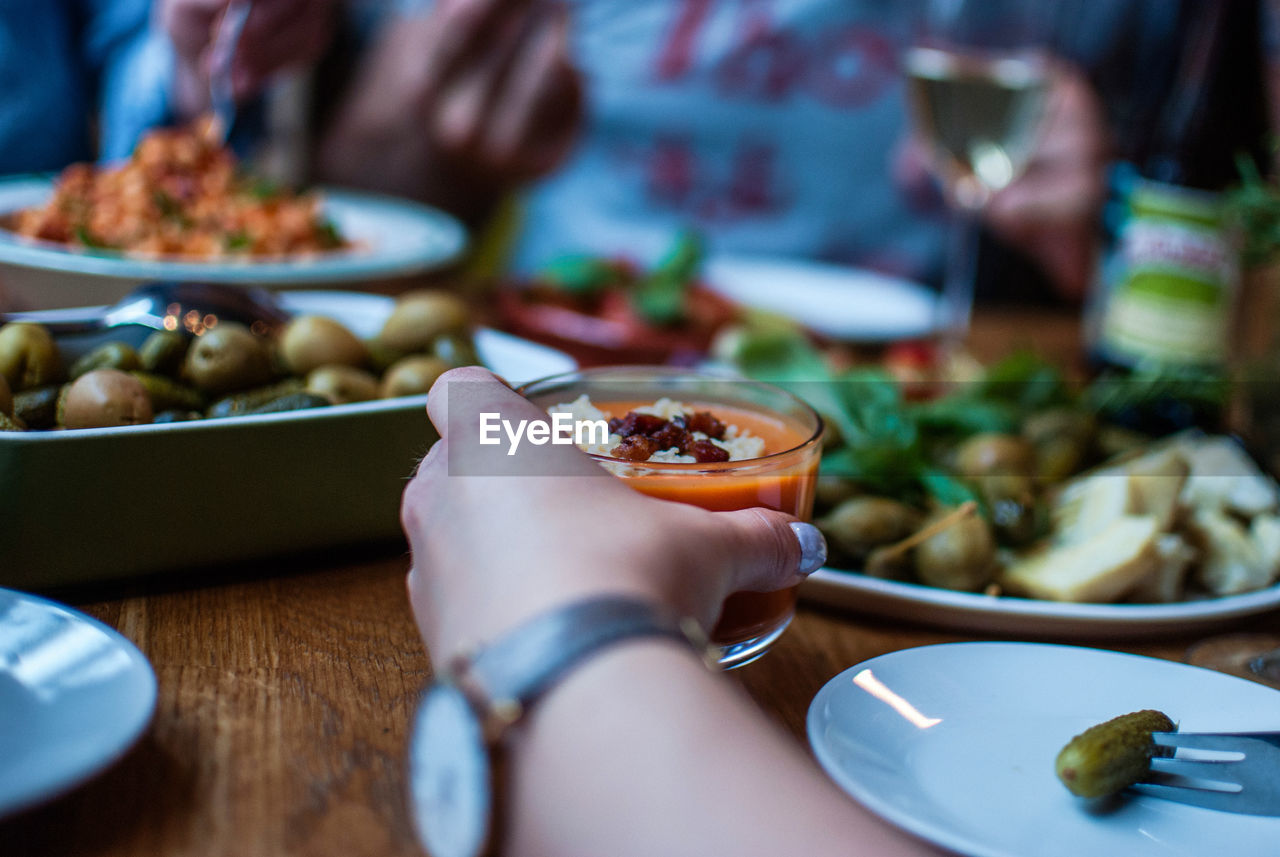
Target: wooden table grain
286,690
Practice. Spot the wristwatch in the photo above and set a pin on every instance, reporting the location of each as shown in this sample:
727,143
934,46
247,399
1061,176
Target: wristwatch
456,752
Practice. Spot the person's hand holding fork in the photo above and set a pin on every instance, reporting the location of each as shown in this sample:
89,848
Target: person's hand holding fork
277,35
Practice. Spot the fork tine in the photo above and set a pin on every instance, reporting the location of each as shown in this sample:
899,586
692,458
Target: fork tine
1200,741
1223,801
1216,770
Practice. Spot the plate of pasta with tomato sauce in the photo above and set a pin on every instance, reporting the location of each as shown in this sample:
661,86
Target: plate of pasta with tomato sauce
183,207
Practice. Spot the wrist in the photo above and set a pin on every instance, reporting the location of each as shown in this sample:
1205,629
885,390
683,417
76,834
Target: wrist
460,744
462,625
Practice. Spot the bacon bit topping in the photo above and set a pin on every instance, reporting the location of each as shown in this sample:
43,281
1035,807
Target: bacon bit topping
636,423
705,450
635,447
645,434
704,422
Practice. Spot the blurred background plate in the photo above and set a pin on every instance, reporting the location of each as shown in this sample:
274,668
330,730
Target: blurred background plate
102,504
956,743
971,611
74,696
393,238
849,304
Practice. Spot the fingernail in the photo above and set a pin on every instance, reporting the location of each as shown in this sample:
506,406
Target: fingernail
813,548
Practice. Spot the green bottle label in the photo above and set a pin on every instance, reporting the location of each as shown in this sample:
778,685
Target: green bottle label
1172,278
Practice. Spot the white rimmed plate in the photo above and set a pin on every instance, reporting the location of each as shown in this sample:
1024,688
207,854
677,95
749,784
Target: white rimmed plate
392,237
74,696
956,744
850,304
987,614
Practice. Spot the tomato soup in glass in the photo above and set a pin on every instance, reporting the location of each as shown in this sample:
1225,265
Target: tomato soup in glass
780,476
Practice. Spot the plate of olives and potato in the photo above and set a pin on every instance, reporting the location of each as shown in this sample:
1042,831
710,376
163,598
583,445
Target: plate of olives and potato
92,504
1176,535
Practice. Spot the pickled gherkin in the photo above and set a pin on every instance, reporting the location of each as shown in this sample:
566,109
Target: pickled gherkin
168,395
1111,756
250,401
112,355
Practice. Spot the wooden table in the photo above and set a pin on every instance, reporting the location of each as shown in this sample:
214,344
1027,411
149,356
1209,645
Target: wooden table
285,691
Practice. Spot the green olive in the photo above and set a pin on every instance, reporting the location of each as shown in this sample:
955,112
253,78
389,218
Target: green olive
962,556
991,453
412,376
862,523
311,341
1063,439
111,355
28,356
381,357
106,397
419,317
162,352
1015,515
455,349
227,358
342,385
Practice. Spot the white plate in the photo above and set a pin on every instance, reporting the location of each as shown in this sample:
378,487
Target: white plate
393,237
74,696
967,611
100,504
956,744
849,304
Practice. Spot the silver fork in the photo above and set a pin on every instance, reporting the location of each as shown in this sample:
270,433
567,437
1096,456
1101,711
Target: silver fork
221,53
1228,772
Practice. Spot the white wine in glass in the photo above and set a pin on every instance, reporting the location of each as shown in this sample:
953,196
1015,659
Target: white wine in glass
978,113
977,78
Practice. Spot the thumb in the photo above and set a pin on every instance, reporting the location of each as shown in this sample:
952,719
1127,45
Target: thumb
767,550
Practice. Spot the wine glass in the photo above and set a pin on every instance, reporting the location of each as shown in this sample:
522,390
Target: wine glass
978,74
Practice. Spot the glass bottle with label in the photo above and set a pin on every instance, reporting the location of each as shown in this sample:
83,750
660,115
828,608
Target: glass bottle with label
1168,282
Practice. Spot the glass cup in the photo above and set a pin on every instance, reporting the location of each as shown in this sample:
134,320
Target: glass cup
782,479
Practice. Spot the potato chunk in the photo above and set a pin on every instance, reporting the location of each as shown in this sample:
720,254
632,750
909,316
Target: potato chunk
1101,568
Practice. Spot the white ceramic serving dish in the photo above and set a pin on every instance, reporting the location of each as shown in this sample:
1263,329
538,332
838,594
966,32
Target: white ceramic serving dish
1025,617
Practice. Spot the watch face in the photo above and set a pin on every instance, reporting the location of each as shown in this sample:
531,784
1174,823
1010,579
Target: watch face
450,782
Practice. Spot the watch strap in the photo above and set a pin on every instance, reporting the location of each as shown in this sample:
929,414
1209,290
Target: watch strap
523,664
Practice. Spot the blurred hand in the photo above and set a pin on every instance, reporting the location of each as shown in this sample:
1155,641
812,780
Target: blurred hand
278,34
490,551
482,90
